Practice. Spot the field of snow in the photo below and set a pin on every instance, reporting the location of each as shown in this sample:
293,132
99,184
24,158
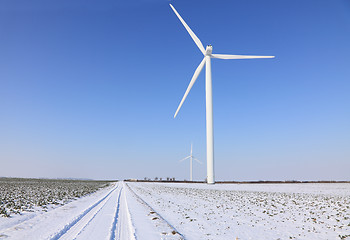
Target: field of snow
133,210
113,212
252,211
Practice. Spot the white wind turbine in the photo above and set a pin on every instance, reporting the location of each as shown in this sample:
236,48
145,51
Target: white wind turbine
208,91
191,157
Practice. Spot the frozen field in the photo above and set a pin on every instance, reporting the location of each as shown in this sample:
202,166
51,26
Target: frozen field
113,212
22,196
191,211
252,211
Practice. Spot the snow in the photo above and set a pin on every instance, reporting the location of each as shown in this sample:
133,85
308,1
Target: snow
114,212
55,222
148,223
192,211
252,211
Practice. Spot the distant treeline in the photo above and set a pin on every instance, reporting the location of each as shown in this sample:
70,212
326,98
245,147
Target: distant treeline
236,182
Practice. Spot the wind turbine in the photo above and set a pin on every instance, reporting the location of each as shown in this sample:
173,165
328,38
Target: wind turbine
208,91
191,157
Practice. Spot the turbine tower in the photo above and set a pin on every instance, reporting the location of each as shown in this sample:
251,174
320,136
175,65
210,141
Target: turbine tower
191,157
208,91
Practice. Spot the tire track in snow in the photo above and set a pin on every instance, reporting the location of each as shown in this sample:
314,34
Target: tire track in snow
77,225
157,214
123,227
115,219
116,226
131,229
107,217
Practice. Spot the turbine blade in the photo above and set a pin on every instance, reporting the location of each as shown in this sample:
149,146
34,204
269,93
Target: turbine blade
197,160
184,158
193,36
194,78
226,56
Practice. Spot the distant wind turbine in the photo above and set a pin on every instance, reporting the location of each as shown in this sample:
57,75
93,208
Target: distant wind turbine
208,91
191,157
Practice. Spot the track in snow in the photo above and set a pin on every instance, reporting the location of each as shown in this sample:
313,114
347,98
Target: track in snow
124,228
169,231
108,218
116,213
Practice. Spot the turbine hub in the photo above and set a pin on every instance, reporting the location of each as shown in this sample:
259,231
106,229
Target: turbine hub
209,50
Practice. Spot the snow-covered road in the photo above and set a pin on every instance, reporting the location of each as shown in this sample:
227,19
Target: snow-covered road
115,212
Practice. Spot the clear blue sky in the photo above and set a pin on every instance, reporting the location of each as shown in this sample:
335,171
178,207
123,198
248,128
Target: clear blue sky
88,89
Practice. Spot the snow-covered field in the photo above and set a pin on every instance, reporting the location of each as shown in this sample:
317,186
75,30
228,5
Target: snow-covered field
252,211
192,211
20,195
113,212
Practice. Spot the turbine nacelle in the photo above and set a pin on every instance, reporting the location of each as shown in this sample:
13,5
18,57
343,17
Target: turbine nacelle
209,50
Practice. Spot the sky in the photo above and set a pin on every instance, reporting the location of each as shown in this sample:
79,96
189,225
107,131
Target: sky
88,89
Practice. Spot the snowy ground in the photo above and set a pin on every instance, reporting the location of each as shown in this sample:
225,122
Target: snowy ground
23,196
193,211
252,211
114,212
